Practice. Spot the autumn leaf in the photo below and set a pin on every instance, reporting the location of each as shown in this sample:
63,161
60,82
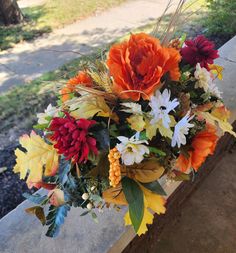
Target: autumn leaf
151,201
136,122
224,125
38,212
89,105
151,129
145,172
115,195
216,70
39,158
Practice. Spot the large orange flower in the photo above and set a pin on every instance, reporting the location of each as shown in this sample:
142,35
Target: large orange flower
203,144
139,63
81,78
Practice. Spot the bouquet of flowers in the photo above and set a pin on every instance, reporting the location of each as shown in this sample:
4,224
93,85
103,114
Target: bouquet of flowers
149,109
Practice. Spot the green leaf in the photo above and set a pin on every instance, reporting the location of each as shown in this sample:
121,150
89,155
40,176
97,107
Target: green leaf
55,219
155,187
38,212
182,39
157,151
85,213
40,126
103,138
94,216
135,199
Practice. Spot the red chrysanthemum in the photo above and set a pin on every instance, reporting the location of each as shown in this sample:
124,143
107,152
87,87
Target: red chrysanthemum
72,138
199,50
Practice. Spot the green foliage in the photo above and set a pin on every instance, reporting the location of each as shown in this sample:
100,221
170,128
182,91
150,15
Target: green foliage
155,187
55,219
221,19
134,197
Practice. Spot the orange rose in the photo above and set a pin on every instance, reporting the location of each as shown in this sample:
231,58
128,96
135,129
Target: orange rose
82,78
138,65
203,144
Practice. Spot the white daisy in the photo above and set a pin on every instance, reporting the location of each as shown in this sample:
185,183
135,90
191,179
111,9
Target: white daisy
132,150
181,129
203,78
161,107
214,90
51,111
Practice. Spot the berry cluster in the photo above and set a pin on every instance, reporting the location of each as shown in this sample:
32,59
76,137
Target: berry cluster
115,167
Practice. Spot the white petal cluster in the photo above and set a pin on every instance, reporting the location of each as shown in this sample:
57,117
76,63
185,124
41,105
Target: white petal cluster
214,90
203,78
161,107
51,111
132,150
181,130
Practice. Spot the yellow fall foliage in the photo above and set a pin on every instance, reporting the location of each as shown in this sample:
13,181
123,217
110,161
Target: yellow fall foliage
151,201
136,122
145,172
87,108
40,156
224,125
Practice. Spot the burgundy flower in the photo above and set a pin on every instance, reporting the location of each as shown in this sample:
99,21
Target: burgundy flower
199,50
72,138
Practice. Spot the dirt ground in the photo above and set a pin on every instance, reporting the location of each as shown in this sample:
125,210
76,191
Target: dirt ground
207,220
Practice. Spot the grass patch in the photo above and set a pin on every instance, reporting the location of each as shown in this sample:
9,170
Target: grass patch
53,14
19,106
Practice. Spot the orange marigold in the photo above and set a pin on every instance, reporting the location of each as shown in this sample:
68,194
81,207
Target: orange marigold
115,167
82,78
138,65
203,144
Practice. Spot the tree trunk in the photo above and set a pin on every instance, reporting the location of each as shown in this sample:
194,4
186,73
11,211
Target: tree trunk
10,12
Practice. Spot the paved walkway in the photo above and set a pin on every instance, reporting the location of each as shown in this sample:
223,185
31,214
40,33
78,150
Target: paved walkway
29,60
30,3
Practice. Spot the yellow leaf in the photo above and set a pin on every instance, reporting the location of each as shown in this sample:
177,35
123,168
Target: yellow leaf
88,105
147,219
145,172
223,124
39,156
114,195
217,70
151,129
151,201
165,132
136,122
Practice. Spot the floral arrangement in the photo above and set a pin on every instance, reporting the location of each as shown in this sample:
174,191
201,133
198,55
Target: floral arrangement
148,110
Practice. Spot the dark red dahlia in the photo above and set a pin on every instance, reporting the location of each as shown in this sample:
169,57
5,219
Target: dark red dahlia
199,50
72,138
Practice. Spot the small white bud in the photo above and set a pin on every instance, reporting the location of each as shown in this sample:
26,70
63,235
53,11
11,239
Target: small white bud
93,188
89,206
85,196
